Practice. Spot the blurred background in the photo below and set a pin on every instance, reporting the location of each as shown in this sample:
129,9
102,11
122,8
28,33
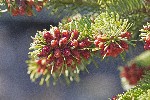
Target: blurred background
15,38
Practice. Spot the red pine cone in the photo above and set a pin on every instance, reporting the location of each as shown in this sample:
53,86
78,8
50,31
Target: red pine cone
41,65
132,73
24,7
110,46
146,36
147,28
48,36
57,53
113,49
114,98
61,49
147,46
74,43
147,43
75,34
126,35
54,43
15,11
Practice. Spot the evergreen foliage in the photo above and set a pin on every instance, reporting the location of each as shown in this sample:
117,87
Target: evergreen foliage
101,23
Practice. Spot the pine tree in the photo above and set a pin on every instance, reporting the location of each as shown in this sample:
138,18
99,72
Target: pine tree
89,28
